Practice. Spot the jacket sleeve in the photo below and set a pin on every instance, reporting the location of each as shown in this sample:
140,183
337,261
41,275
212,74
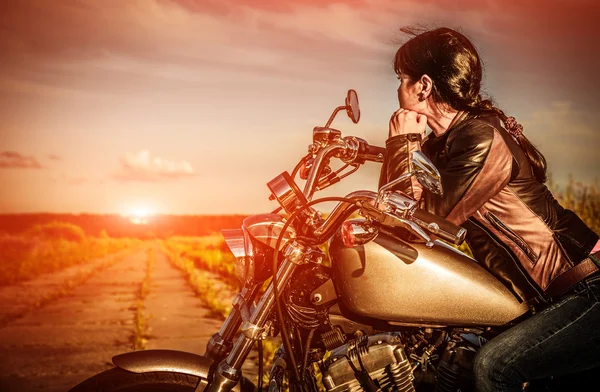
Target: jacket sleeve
477,166
397,162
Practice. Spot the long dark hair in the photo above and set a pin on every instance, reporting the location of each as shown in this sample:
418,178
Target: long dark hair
454,66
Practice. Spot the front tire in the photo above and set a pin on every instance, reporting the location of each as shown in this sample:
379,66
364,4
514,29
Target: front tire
119,380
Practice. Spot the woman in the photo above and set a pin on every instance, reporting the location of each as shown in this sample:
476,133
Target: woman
493,181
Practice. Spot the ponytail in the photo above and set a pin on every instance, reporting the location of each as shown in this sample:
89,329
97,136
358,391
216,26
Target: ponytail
535,157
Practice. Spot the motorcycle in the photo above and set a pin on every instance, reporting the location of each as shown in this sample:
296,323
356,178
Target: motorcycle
373,312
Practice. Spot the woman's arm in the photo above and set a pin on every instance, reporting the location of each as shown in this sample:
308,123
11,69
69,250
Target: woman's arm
397,162
477,166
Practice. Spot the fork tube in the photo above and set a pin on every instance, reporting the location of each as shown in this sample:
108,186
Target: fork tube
233,322
220,343
259,316
228,372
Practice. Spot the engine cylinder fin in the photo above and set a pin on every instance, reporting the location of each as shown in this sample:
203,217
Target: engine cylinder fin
447,377
381,355
333,338
386,383
402,375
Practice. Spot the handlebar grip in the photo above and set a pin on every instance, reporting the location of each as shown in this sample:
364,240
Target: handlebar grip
371,153
439,226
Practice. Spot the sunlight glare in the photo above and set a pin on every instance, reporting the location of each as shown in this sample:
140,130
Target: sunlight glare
139,215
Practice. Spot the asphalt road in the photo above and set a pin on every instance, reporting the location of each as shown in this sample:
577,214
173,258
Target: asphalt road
62,328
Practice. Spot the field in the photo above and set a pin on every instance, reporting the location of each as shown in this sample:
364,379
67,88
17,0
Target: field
34,244
50,247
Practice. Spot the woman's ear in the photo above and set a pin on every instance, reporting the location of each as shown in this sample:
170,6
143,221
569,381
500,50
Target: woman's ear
426,87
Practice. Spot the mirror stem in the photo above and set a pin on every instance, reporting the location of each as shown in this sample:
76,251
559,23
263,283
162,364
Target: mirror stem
389,185
333,115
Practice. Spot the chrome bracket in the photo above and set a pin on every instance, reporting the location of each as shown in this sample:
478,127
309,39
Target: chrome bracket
251,331
254,332
295,253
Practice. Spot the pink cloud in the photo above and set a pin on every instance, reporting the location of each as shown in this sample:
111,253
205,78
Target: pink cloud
14,160
76,180
142,167
229,7
268,37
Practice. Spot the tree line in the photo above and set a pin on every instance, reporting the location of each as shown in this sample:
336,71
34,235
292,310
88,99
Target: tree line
117,226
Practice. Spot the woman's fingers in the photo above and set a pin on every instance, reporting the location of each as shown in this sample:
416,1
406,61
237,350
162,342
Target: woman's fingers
405,121
396,113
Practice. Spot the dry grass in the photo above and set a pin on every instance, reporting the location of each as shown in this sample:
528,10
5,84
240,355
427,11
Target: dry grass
583,199
51,247
215,295
140,336
207,253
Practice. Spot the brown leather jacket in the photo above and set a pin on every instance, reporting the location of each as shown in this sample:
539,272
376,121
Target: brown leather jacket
515,227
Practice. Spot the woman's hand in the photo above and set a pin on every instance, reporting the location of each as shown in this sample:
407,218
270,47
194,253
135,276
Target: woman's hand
405,121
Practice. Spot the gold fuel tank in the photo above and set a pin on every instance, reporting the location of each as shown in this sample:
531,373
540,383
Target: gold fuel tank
409,284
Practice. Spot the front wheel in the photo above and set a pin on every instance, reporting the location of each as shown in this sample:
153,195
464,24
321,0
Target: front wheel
119,380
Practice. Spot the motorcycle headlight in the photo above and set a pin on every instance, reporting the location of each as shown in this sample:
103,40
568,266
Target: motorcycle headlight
253,246
235,241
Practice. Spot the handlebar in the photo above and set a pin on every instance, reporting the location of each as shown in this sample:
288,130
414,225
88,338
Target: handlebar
421,218
370,153
355,151
351,150
439,226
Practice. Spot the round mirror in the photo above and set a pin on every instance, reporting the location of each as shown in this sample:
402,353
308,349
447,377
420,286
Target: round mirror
352,106
427,174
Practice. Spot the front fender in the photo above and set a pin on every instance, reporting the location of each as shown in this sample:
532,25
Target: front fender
164,361
173,361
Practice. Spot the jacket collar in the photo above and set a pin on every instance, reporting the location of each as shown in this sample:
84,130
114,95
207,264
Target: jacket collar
460,117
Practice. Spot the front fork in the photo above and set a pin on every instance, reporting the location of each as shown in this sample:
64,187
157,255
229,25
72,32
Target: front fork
220,343
228,372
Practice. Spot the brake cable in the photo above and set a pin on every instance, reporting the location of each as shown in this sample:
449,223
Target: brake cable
286,342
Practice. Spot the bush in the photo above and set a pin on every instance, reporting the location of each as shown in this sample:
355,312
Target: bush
583,199
14,247
58,230
13,251
48,248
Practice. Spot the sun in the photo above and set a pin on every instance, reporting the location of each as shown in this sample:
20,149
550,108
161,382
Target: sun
139,215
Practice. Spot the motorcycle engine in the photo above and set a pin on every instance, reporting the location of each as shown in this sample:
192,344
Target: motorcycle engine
378,360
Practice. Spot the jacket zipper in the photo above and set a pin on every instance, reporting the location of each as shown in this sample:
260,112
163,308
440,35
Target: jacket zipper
514,237
527,277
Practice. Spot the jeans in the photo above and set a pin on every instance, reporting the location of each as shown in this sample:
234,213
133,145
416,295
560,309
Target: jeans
562,339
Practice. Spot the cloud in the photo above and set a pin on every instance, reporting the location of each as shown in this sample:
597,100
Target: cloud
203,40
563,118
76,180
14,160
568,138
225,7
54,157
144,168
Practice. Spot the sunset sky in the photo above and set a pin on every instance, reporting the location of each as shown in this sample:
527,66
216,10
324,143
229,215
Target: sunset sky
192,106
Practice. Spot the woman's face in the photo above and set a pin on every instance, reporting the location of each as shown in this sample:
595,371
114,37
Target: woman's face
408,94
